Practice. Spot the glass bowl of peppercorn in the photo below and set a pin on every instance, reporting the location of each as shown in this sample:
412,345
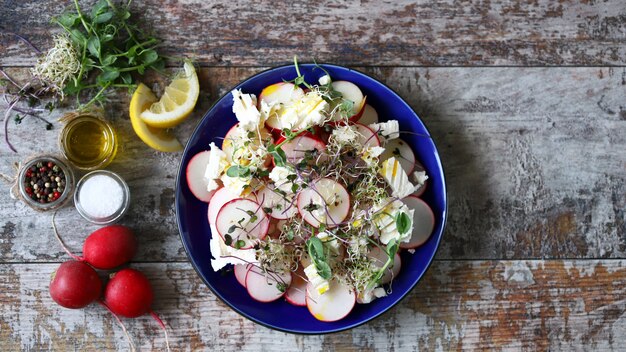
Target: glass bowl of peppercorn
45,183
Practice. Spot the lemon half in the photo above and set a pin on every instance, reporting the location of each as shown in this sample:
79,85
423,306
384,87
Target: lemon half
177,101
156,138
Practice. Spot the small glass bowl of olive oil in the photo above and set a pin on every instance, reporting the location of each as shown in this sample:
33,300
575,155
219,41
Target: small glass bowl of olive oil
88,142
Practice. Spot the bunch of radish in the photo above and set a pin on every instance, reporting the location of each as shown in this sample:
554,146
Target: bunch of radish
128,293
226,209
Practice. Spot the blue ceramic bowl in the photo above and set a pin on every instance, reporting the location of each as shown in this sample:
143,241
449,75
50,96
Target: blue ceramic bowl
280,315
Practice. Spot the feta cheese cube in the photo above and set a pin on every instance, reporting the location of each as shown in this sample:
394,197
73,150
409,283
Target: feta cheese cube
324,80
244,107
216,166
397,179
388,130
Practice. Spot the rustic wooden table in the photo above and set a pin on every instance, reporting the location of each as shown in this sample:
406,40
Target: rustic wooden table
526,103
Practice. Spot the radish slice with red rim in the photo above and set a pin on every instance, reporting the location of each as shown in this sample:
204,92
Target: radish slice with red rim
324,201
241,270
367,137
221,197
276,205
379,258
369,115
242,220
195,176
334,304
296,293
353,93
423,222
266,287
402,151
302,146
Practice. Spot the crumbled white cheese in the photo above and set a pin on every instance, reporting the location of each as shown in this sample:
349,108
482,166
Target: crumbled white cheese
371,154
225,255
329,241
244,107
318,282
238,185
389,129
345,135
215,167
385,221
420,178
397,178
324,80
279,175
306,111
369,295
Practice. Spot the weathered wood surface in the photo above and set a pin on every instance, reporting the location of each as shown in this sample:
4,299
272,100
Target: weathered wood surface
534,159
368,32
464,305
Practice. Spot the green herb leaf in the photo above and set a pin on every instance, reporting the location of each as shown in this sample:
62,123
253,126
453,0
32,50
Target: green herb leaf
281,287
103,17
238,171
68,20
108,75
228,240
278,154
232,229
239,244
93,45
149,56
108,60
403,222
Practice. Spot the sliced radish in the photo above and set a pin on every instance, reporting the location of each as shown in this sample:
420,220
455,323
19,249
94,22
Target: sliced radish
333,305
236,137
369,115
241,270
421,190
195,176
324,201
380,257
297,148
276,205
402,151
221,197
296,293
367,137
423,222
266,287
242,219
351,92
279,93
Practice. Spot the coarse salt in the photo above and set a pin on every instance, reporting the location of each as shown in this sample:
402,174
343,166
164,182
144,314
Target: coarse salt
101,196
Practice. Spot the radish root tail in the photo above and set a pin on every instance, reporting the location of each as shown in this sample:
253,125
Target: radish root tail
56,233
160,322
119,321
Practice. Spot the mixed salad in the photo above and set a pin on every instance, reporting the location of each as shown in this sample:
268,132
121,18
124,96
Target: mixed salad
311,197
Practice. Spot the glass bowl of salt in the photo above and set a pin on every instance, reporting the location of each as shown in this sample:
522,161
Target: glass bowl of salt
102,197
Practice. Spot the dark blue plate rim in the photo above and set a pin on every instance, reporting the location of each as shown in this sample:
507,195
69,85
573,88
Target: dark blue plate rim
298,332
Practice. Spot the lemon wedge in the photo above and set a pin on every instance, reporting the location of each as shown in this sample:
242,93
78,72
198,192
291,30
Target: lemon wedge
156,138
177,101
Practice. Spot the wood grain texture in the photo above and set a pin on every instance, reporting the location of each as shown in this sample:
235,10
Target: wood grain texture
533,157
367,32
473,305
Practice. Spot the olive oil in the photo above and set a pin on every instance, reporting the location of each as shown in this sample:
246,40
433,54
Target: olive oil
88,142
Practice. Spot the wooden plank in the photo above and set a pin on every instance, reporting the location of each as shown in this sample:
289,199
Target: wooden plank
433,33
533,159
476,305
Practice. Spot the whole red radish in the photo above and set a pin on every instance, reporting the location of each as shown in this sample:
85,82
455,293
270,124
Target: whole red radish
129,294
110,247
75,285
